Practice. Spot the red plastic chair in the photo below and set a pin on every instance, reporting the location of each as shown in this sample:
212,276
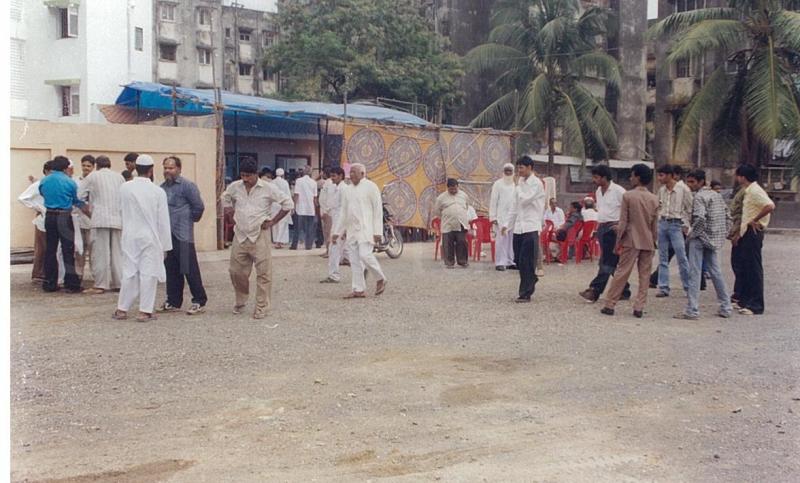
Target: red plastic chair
570,241
586,241
545,237
483,234
436,226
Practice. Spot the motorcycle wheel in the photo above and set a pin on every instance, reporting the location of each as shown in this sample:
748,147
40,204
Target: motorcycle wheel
394,245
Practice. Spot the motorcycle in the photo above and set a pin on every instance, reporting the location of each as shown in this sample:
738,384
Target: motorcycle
392,242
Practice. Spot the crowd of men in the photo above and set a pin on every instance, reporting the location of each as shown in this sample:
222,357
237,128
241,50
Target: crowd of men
136,234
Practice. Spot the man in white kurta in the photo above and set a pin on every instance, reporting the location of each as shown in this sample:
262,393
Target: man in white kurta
333,205
361,221
499,208
146,238
280,233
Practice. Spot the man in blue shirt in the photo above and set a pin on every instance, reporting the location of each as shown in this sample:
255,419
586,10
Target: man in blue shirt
185,209
60,194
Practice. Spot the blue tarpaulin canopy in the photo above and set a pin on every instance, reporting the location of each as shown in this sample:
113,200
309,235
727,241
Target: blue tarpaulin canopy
257,116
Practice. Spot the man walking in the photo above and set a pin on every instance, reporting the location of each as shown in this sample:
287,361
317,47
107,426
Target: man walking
326,187
185,209
451,207
305,194
609,201
361,221
333,204
281,227
60,193
145,241
756,209
101,189
709,227
525,221
674,209
499,208
252,198
636,240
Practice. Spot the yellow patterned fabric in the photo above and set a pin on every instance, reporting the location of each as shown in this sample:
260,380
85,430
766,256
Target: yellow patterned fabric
411,165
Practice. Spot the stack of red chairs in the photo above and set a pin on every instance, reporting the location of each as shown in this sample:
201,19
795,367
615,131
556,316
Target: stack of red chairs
570,241
483,234
587,241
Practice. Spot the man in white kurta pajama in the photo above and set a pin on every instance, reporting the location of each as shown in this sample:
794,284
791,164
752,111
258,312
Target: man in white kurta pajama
280,232
146,237
361,221
333,205
500,206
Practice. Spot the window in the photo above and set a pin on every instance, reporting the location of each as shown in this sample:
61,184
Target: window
167,52
168,12
69,22
138,39
731,67
683,68
227,32
246,69
651,80
244,35
267,74
686,5
70,100
203,56
203,16
268,38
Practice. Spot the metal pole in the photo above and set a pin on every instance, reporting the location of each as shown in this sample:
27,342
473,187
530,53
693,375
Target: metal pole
220,165
236,139
174,106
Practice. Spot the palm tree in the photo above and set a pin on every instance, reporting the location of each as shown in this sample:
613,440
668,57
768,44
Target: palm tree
759,103
540,52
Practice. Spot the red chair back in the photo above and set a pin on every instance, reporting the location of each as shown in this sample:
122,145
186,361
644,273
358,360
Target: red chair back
436,226
589,227
483,229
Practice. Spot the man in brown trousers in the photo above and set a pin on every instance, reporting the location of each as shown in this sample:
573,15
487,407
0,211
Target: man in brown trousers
637,233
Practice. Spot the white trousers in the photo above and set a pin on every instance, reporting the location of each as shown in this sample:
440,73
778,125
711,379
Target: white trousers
142,286
280,232
504,249
335,253
362,257
106,258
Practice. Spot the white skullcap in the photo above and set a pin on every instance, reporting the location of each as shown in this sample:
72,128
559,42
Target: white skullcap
70,165
279,172
508,165
144,160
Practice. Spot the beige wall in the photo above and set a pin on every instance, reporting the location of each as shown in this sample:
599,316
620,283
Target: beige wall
34,142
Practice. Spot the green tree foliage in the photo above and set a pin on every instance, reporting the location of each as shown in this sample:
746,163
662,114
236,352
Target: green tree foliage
540,51
747,110
367,48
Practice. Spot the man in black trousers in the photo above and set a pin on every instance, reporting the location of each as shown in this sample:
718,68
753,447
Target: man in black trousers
185,209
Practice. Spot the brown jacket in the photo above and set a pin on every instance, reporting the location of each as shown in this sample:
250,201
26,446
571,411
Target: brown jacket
638,220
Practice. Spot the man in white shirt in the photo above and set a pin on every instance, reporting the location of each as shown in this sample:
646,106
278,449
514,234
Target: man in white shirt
325,192
145,241
87,167
452,207
361,221
554,214
525,221
305,194
499,209
31,198
101,189
333,204
251,199
609,202
280,231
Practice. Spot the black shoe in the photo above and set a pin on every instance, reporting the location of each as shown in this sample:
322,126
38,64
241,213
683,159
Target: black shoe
522,300
292,248
50,289
625,296
513,267
607,311
500,268
589,295
638,314
661,295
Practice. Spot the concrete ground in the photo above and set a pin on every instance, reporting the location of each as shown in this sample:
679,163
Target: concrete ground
441,378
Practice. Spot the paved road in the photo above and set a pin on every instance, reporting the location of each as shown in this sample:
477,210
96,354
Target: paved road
441,378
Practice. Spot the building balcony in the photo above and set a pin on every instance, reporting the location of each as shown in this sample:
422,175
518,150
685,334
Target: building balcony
205,75
167,72
203,39
168,31
246,53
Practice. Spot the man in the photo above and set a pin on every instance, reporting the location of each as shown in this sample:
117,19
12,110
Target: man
319,234
305,194
709,227
525,221
361,221
252,198
130,163
145,241
674,213
326,186
87,166
733,235
588,213
185,209
281,227
499,208
716,186
266,174
452,207
609,201
573,216
31,198
756,209
101,189
126,175
333,204
636,240
60,193
554,214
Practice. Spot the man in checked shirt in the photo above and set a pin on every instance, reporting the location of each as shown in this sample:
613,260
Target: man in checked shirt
707,234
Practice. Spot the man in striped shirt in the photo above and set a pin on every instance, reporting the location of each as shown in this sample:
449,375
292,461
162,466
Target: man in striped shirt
101,189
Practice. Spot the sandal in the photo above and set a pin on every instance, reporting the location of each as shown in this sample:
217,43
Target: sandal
94,291
380,287
143,317
119,315
355,295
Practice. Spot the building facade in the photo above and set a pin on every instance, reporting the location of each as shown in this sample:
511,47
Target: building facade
68,56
